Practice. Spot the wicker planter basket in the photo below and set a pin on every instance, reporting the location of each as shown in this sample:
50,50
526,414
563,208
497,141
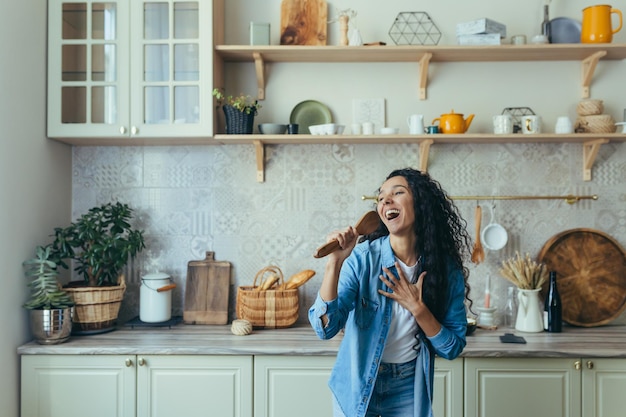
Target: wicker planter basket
269,308
237,122
96,308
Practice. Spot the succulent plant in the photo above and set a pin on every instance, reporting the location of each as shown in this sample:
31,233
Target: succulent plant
45,288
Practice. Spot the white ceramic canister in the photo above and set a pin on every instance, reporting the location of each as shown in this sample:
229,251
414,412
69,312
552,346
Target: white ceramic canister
155,298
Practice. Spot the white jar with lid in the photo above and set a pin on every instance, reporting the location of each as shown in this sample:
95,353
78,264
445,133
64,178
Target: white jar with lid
155,298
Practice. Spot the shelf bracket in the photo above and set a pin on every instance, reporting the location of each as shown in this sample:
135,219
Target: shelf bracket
590,151
588,67
424,150
260,160
259,66
424,61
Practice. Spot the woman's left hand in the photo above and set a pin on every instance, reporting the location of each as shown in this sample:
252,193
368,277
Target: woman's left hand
406,294
410,297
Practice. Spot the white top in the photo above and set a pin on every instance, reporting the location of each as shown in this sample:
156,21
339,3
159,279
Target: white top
401,338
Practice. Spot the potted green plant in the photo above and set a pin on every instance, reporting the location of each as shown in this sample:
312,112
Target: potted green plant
239,111
50,307
100,243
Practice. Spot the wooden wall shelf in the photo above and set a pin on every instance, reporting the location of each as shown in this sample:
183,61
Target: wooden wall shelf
587,54
591,143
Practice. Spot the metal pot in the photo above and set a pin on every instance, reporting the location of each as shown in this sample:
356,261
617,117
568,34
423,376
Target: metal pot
155,298
50,327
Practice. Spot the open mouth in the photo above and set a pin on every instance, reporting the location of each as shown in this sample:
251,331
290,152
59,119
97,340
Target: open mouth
392,214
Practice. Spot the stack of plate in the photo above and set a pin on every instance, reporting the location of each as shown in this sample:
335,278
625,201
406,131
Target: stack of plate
310,113
564,30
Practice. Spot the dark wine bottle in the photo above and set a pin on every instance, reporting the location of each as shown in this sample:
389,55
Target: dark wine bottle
545,24
553,307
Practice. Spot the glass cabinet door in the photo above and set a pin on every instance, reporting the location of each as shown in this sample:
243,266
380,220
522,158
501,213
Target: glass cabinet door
120,69
88,48
171,90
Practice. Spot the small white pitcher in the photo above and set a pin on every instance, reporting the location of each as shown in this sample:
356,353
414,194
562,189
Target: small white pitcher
529,312
416,124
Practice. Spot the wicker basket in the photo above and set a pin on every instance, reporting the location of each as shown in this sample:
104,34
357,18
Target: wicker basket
589,107
267,308
597,123
238,122
96,308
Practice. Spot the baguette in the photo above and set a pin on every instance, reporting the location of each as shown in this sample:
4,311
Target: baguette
298,279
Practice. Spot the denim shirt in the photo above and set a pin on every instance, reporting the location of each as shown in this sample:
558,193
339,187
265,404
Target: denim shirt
366,316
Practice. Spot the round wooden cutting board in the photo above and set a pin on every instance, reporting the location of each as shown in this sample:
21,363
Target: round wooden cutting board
591,275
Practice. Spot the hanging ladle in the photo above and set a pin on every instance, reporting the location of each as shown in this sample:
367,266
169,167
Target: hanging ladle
478,253
367,224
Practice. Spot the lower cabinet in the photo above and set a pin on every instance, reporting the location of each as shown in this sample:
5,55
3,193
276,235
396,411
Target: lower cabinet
288,386
281,386
448,388
144,386
525,387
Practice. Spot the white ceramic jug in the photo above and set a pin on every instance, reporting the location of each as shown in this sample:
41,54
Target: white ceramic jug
416,124
529,313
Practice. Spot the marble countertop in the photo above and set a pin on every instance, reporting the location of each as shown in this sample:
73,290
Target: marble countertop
573,342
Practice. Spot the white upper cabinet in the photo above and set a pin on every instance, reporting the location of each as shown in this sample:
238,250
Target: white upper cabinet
129,70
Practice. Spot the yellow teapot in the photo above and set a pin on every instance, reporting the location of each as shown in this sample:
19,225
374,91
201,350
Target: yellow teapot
453,122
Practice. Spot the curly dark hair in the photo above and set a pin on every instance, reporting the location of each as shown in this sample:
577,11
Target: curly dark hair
442,237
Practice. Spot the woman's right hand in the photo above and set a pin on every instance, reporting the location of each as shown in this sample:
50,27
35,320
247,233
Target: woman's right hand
347,239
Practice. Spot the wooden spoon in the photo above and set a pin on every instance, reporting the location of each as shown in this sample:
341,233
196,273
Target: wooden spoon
366,225
478,253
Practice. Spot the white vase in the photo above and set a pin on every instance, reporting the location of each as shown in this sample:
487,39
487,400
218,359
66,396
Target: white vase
529,312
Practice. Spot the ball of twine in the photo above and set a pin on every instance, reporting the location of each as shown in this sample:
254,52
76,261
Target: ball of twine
589,107
597,123
241,327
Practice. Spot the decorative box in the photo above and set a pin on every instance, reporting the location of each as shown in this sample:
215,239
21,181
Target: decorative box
483,39
481,26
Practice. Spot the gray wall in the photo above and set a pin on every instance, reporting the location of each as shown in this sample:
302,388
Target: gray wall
34,176
194,199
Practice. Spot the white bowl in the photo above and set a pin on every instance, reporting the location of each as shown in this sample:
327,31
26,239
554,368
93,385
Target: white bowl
327,129
389,130
272,128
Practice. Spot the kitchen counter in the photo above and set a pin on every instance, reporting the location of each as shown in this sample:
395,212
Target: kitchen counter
597,342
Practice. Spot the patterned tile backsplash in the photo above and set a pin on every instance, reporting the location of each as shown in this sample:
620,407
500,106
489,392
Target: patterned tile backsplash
190,200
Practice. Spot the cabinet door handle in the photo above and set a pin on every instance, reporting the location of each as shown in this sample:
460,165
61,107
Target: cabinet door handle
123,130
141,361
134,130
128,362
589,364
577,365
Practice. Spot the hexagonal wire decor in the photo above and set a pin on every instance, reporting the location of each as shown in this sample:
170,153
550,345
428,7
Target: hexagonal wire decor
414,28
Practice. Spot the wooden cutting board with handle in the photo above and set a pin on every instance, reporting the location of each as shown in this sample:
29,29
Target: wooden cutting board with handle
303,22
207,291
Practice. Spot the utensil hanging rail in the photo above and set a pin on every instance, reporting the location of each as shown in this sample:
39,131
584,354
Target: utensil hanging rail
569,199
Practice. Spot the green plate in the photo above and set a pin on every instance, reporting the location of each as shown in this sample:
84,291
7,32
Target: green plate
309,113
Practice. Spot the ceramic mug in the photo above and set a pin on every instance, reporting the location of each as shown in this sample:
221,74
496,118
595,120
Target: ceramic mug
368,128
563,125
531,124
503,124
596,25
416,124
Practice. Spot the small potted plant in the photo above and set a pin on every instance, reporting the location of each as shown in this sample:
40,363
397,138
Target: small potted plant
100,243
50,307
239,111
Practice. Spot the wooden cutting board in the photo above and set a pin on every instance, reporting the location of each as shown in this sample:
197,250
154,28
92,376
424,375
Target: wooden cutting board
591,275
303,22
207,291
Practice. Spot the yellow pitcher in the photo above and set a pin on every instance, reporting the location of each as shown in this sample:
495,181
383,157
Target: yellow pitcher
596,26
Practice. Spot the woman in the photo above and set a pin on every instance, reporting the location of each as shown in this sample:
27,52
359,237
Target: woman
400,296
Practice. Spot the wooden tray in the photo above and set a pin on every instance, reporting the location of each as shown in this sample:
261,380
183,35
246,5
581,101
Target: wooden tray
591,275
